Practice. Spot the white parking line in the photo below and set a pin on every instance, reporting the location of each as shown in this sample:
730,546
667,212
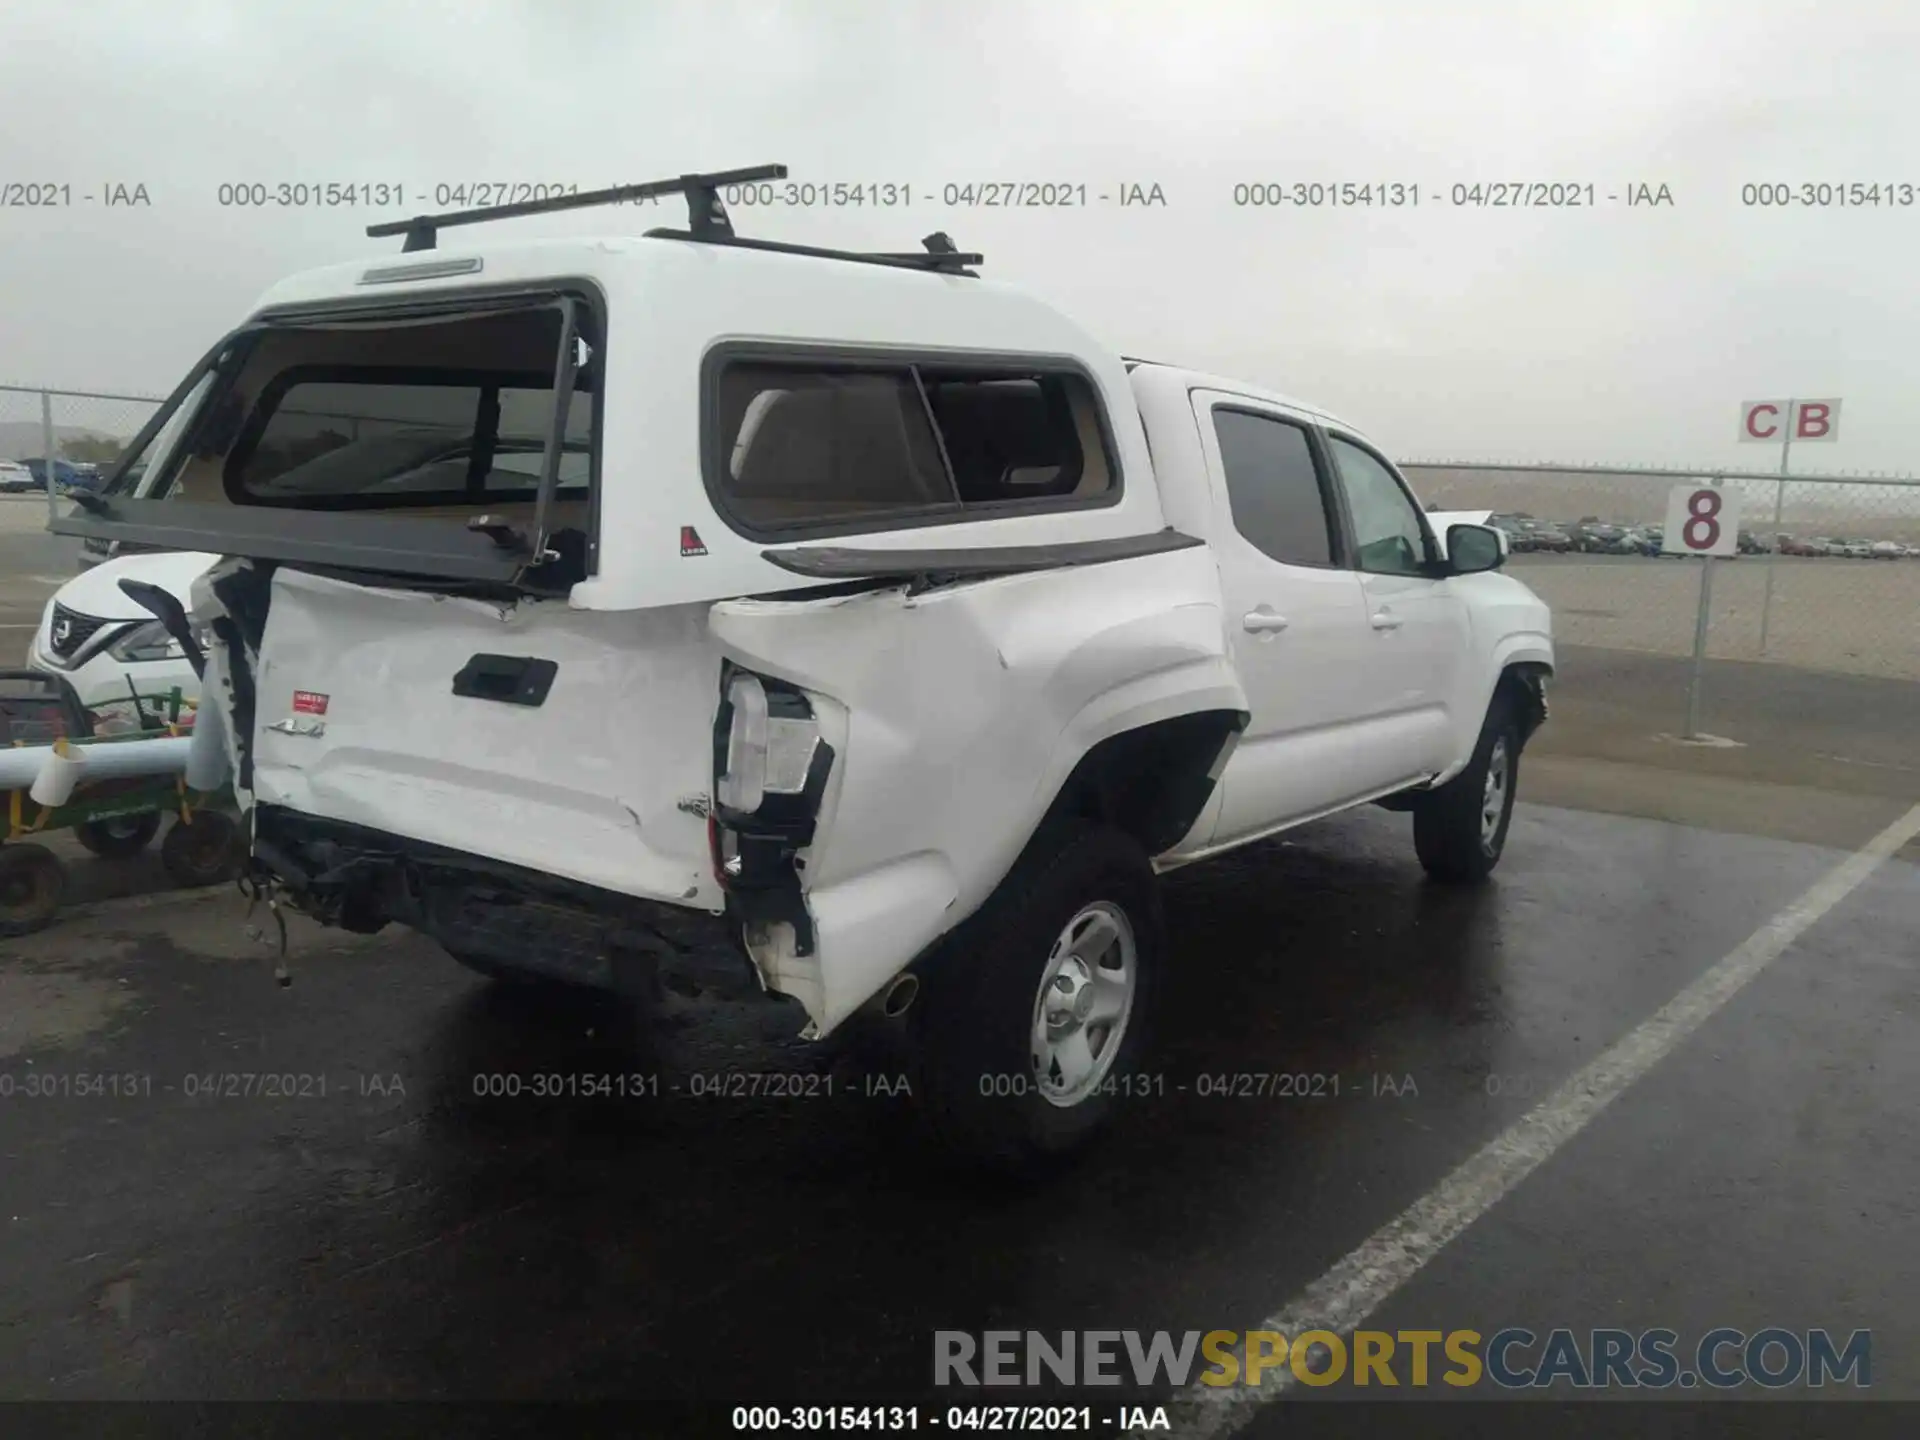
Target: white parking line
1343,1298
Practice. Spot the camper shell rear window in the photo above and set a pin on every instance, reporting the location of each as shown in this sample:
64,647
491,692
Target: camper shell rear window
450,436
394,411
805,443
379,437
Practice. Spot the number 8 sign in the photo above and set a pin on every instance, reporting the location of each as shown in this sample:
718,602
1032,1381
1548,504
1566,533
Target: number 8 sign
1701,521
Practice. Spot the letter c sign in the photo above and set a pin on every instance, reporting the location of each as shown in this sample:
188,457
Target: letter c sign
1763,419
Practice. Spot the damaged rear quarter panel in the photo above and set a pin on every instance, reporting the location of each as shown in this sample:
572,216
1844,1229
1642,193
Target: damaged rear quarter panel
957,715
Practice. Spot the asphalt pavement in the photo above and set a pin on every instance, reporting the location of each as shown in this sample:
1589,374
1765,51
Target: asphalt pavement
392,1180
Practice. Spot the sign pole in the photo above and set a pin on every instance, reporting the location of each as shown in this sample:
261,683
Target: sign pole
1779,501
1699,648
46,451
1694,683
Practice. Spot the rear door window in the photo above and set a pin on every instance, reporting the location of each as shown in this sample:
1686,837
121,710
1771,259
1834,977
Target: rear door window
1273,487
812,447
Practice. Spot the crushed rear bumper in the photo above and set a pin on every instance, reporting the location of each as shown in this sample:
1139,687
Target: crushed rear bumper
512,918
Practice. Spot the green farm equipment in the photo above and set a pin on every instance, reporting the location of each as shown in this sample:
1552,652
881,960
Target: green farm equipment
114,816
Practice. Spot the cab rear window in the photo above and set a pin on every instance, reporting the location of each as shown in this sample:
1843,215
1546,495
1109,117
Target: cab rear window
814,446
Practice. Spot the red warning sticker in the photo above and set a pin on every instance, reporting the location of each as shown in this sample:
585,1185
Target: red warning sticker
309,702
690,543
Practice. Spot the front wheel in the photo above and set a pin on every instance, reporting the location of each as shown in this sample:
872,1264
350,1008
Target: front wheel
1460,829
1035,1012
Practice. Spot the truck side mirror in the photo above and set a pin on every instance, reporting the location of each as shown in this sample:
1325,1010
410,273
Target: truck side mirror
1473,548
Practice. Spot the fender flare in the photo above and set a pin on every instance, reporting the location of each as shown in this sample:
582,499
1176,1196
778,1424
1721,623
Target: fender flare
1520,654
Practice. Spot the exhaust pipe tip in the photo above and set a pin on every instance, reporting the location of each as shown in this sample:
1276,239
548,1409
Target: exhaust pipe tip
900,996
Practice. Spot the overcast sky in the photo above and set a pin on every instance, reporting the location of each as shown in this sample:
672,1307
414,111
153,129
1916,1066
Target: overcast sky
1602,334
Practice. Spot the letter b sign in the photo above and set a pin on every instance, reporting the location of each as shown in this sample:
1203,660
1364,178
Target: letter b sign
1816,420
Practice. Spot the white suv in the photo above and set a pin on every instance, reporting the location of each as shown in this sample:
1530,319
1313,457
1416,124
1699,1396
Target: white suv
110,649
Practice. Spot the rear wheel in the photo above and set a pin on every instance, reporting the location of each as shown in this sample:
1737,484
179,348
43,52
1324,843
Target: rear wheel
1034,1017
1460,829
33,881
119,837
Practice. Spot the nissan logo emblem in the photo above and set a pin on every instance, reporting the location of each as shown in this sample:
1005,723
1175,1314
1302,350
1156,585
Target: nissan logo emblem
63,632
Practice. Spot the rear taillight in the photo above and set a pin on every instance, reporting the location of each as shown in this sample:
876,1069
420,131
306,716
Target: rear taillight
771,743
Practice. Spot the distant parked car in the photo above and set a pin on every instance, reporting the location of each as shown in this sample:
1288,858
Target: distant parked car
15,478
1794,545
1552,537
1598,538
1749,543
1888,550
1857,549
1519,532
66,475
1632,541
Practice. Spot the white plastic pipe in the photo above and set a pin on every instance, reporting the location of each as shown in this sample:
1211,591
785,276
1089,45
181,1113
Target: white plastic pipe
22,764
63,766
58,778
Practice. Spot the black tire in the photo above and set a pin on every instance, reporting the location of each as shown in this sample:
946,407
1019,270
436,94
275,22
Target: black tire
980,1085
120,837
1450,833
205,850
33,882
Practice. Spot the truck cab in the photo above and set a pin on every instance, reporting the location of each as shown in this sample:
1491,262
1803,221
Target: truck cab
1328,567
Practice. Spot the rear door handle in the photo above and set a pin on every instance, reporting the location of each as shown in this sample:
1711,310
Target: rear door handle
1263,620
1385,620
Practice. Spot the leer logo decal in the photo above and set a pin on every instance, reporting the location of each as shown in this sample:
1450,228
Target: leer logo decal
690,543
309,702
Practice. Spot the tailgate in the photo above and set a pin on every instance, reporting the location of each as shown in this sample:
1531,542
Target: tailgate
562,740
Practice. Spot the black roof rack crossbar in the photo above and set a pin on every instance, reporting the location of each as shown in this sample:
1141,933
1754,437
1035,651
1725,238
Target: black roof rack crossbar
946,262
707,217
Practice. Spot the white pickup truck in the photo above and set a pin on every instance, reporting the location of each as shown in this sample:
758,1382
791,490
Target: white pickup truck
583,597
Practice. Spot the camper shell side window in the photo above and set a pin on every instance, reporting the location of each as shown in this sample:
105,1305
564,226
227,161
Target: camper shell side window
805,442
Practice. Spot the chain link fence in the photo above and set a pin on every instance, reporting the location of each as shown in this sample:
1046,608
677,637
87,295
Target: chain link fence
87,430
1828,577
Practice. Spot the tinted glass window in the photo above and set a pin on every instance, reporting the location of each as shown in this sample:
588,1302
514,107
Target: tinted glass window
803,445
1273,488
1010,438
1387,534
408,438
